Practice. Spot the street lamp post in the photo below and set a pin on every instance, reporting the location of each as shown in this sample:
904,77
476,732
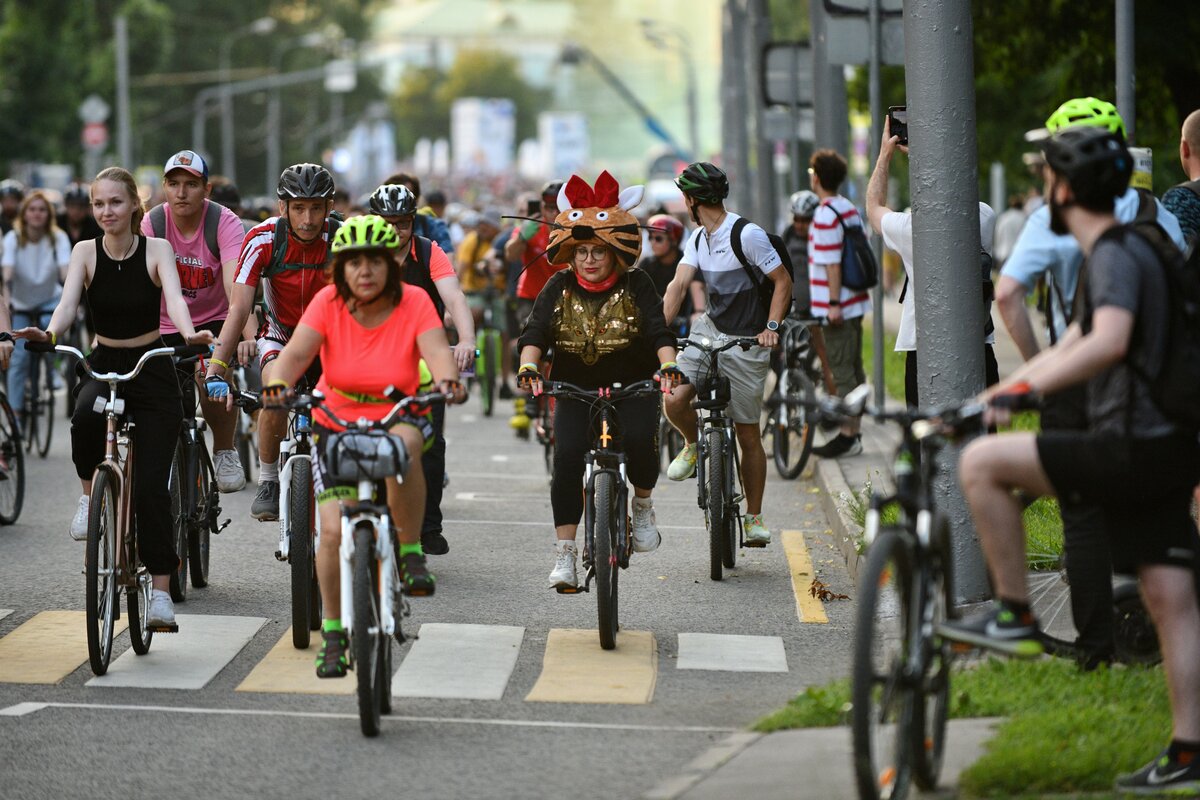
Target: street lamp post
275,103
655,32
260,27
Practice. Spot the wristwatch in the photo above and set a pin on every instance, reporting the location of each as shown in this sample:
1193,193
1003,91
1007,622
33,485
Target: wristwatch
772,325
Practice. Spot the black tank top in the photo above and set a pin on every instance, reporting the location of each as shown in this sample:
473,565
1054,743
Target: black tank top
123,300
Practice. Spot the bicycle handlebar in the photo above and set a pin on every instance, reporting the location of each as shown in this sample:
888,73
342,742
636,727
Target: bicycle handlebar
182,351
706,345
317,400
612,394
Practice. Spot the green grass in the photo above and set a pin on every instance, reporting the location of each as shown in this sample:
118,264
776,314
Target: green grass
893,362
1066,731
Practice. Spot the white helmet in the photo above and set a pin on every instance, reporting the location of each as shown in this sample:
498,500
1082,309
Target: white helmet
804,204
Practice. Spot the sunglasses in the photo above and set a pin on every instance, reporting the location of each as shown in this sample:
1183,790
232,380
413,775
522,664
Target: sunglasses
659,237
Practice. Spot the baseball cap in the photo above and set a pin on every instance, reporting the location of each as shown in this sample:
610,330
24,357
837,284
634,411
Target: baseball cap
492,217
188,160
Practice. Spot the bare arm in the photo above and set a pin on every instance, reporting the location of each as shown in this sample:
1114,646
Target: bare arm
673,297
68,304
240,303
296,355
1090,354
699,296
452,295
1010,298
514,249
435,349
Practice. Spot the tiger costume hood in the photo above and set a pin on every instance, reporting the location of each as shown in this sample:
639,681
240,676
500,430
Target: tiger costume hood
596,215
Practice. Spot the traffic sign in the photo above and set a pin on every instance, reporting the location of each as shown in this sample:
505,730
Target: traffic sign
340,76
93,109
787,77
95,136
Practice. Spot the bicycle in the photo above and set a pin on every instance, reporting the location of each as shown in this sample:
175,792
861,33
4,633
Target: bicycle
38,409
607,542
12,459
112,560
488,345
245,437
789,424
717,475
363,454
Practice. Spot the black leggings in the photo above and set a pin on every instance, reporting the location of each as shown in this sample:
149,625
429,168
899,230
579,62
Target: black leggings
575,428
152,401
433,464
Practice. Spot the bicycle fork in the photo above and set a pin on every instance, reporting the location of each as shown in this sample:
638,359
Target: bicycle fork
390,598
285,491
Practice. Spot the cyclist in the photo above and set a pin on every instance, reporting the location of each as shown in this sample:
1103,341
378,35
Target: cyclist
193,224
605,323
425,265
803,205
479,271
370,331
35,260
12,192
427,223
734,309
1135,462
76,219
125,279
287,253
666,238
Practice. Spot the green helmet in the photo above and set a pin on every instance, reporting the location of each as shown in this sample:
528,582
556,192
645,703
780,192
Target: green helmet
1078,112
368,232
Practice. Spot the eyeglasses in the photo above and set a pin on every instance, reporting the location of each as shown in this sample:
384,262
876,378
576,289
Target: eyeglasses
659,237
590,253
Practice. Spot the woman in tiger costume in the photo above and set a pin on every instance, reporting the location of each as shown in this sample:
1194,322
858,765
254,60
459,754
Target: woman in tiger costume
606,326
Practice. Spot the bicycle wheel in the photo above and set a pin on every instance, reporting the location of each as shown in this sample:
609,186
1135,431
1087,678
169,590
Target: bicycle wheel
204,521
606,558
729,545
793,434
137,608
12,466
182,506
367,629
881,698
485,370
247,448
1133,630
716,513
932,705
101,571
300,554
44,404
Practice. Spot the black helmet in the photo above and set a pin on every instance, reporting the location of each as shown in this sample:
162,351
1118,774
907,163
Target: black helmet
305,181
1094,161
393,200
705,182
77,194
552,188
226,194
12,188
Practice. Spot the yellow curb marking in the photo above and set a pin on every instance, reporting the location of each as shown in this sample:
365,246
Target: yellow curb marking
576,670
286,669
47,648
808,608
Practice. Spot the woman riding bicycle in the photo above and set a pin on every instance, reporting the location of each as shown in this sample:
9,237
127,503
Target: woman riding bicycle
124,279
606,326
371,331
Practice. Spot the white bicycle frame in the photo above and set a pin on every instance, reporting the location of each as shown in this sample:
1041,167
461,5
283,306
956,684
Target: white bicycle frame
388,578
285,489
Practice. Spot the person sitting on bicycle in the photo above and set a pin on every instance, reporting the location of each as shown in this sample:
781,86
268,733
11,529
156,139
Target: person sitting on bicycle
1135,460
125,280
481,273
666,238
370,331
605,323
287,254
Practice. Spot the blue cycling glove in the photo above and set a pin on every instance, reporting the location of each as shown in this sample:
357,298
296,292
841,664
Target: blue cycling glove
217,387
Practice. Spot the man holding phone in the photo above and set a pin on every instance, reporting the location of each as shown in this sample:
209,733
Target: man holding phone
897,123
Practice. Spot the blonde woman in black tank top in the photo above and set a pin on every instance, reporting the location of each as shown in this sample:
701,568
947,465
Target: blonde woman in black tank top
123,276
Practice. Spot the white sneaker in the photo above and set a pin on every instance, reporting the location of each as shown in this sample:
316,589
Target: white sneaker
230,476
683,466
755,531
645,533
162,610
79,524
563,573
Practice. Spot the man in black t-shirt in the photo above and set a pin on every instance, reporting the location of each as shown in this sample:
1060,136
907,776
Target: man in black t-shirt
1133,460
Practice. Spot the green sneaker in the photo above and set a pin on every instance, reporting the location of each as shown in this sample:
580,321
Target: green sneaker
755,531
332,661
684,464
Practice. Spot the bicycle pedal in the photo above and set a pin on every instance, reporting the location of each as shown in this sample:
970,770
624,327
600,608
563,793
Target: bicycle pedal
561,589
754,544
281,557
223,526
163,628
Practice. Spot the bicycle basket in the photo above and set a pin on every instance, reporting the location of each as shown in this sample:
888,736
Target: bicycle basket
353,456
715,389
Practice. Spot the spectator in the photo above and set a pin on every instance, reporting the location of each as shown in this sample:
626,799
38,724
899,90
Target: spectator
12,192
76,220
1008,229
803,205
1184,200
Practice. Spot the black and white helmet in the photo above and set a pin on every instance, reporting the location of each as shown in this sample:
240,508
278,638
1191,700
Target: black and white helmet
393,200
804,204
305,181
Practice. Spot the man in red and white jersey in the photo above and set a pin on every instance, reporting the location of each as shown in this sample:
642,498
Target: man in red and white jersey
287,253
844,307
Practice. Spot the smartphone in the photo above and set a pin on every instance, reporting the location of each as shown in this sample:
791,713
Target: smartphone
534,209
898,119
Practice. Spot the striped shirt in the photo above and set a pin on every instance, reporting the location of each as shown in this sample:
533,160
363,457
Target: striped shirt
824,248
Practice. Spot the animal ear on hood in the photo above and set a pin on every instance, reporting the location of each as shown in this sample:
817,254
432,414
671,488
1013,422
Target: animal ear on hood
631,197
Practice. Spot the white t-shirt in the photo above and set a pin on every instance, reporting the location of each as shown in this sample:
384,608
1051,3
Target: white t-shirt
825,247
733,301
897,235
36,266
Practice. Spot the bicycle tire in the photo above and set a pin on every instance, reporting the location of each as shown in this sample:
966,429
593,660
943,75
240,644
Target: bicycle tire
1134,634
101,571
12,466
604,537
881,699
243,442
140,634
716,512
366,615
793,434
203,522
181,509
932,707
300,554
729,545
44,406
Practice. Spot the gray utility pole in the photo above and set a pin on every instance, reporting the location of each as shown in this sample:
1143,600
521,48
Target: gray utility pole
874,94
1126,80
735,143
940,83
758,34
124,133
831,111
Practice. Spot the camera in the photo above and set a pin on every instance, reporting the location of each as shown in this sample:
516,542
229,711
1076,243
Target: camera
898,123
534,208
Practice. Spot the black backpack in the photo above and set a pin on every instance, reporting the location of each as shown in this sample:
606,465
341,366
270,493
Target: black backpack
765,286
989,291
158,223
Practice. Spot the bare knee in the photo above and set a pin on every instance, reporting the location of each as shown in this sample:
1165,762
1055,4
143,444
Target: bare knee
1167,591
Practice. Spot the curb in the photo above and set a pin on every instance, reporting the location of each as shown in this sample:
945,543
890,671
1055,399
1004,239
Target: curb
832,483
702,766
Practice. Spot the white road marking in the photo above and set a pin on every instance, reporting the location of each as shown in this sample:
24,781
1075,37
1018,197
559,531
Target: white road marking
518,523
731,653
4,612
499,458
185,660
469,662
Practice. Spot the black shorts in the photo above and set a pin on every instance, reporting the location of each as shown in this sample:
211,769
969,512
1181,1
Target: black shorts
1144,486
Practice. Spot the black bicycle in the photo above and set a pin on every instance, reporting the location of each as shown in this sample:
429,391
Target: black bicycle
717,475
12,459
607,540
38,410
791,426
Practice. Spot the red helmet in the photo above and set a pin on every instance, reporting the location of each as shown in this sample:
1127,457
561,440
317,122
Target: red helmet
669,225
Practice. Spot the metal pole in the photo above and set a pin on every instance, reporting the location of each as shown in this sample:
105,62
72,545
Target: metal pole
759,32
693,112
124,141
228,168
735,110
874,93
940,83
831,111
999,193
1125,67
794,139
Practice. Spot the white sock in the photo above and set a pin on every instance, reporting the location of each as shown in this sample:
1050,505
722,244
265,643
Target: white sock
268,471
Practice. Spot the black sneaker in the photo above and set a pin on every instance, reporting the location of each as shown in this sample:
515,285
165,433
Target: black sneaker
332,661
999,629
266,503
434,543
415,576
840,445
1163,775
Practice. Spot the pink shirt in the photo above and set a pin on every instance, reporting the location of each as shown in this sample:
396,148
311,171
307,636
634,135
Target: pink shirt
199,273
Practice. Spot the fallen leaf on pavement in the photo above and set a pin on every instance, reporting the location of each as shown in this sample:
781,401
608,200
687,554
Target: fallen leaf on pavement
824,593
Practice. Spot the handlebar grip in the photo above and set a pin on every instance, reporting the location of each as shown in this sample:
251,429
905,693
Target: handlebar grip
1018,401
39,347
190,350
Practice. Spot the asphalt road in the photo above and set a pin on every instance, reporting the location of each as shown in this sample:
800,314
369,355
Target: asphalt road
79,740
